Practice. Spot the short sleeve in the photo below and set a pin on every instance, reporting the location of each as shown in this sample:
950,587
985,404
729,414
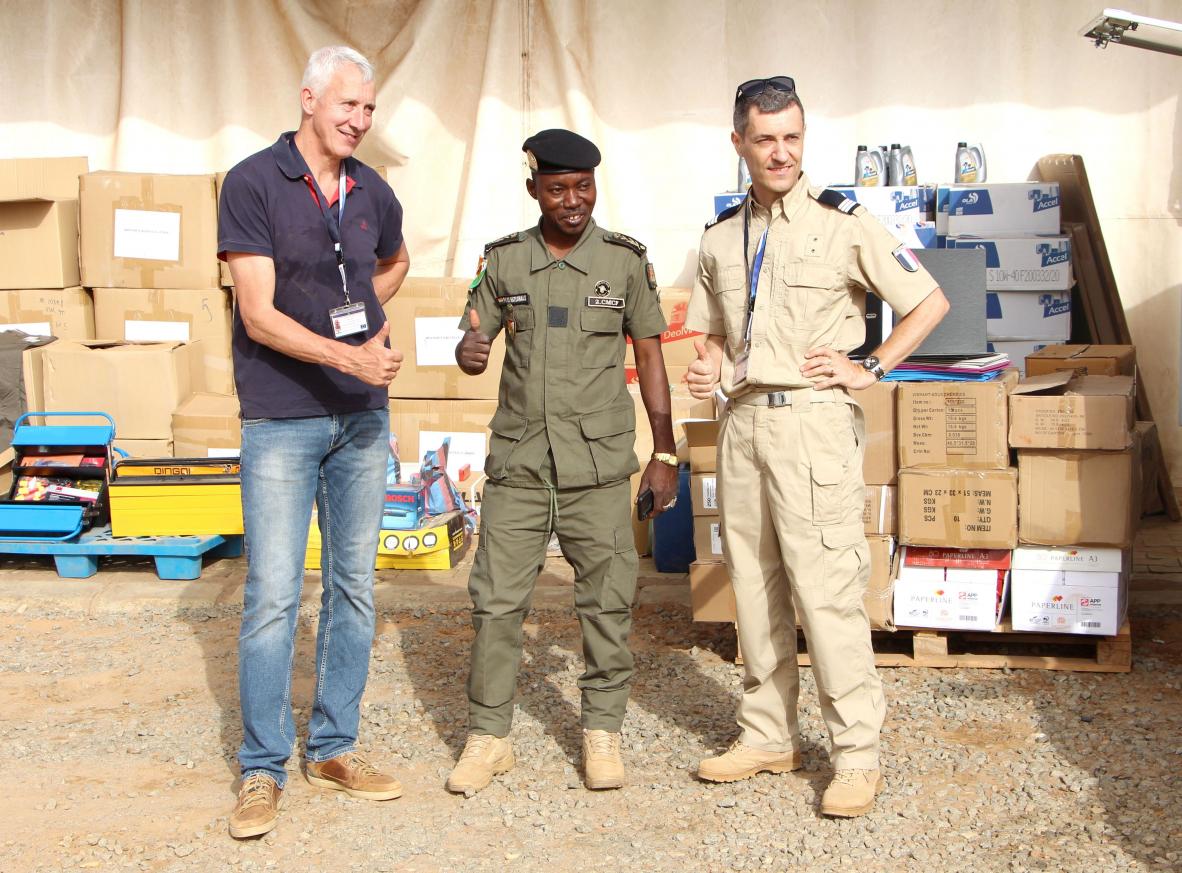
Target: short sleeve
704,313
884,265
642,311
243,225
482,297
391,239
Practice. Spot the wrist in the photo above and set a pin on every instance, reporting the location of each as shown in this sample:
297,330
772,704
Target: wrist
667,458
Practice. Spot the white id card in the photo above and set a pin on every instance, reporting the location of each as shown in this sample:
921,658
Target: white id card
348,320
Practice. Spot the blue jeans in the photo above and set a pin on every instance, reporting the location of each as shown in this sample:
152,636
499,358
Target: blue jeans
338,461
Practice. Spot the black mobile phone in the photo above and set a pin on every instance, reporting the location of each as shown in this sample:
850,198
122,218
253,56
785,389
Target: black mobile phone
644,504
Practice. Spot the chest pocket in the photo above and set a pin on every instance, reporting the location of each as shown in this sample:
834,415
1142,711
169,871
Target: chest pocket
602,335
518,344
808,296
732,300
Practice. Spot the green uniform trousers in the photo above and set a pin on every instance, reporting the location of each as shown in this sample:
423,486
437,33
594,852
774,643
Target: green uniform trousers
595,532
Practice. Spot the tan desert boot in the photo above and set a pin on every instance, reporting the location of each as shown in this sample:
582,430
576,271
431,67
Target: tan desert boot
257,809
353,774
602,765
851,793
484,757
743,762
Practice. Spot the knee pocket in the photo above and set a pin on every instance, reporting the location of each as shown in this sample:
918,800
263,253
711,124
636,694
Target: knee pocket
615,589
845,565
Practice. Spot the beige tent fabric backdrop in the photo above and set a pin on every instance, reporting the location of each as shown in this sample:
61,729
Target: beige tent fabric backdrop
187,86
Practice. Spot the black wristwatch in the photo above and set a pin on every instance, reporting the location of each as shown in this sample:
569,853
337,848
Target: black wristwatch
871,364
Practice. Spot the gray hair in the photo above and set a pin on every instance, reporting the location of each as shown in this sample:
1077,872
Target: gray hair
769,101
324,63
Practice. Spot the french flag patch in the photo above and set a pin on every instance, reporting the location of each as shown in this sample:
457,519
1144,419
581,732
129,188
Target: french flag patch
906,259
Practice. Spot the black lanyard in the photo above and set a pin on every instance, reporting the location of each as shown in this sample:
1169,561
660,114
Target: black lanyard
333,225
752,271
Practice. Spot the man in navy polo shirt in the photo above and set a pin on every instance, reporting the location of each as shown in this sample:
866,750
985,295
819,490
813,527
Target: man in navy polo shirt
314,242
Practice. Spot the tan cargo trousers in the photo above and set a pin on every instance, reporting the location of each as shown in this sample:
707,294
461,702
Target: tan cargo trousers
790,496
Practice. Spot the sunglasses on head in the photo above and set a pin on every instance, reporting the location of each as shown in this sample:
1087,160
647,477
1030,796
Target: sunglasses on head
755,87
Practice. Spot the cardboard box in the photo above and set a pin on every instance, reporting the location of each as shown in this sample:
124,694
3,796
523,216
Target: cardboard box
422,425
1028,315
140,385
7,457
145,231
711,596
145,448
1089,360
423,317
39,222
1005,208
40,178
952,589
704,493
1018,350
207,426
707,538
960,509
1070,497
682,407
168,315
677,342
67,313
879,514
880,459
955,424
223,267
880,592
914,234
1063,411
701,438
1073,590
1023,263
33,377
893,205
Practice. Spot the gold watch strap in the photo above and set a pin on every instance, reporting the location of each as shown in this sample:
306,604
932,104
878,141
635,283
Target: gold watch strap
665,458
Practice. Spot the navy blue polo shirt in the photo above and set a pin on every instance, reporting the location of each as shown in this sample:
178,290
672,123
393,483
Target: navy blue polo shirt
269,206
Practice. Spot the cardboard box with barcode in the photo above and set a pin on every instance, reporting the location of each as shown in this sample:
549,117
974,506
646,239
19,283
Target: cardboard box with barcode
879,514
701,438
677,341
1063,411
707,538
880,459
1077,497
422,426
172,315
207,426
704,493
963,509
67,313
140,385
998,208
39,222
423,317
1086,360
1072,590
951,589
955,424
148,231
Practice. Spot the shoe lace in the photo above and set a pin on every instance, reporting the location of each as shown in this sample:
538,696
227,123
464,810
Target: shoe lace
848,777
360,765
476,746
603,743
737,748
256,791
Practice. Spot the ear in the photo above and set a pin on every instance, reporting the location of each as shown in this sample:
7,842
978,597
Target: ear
737,142
307,100
531,186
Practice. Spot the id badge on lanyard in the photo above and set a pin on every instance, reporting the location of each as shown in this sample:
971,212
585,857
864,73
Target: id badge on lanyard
743,359
349,319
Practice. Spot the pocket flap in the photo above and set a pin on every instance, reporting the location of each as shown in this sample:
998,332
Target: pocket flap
827,472
816,276
523,317
608,422
604,320
506,424
734,278
840,536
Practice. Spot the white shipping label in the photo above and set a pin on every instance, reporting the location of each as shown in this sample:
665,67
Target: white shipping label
222,453
710,493
715,538
465,448
435,342
139,331
147,235
33,328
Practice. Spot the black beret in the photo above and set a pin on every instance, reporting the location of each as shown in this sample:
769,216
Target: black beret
560,151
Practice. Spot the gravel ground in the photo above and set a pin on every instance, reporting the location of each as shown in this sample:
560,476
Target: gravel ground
122,729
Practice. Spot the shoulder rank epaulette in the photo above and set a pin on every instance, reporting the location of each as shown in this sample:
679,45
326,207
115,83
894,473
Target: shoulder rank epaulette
622,239
504,241
725,214
838,201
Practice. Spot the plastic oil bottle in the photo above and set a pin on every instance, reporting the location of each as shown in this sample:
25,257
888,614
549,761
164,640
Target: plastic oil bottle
867,172
907,162
970,163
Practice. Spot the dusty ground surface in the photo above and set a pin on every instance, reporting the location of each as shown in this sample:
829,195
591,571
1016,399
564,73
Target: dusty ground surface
118,704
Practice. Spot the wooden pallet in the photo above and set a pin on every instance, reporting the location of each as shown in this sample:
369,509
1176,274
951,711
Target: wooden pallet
175,557
1007,648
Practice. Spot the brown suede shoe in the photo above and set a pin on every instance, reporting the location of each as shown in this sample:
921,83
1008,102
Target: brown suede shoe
257,808
851,793
743,762
602,764
354,775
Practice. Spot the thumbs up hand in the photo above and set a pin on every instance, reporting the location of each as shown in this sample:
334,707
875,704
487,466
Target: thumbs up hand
372,362
705,370
473,349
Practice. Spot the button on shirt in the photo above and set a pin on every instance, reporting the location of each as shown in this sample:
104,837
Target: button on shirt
818,264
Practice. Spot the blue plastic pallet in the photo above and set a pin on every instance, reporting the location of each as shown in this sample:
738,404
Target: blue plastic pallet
175,557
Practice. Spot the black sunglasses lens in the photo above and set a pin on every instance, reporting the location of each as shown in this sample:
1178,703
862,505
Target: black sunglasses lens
755,87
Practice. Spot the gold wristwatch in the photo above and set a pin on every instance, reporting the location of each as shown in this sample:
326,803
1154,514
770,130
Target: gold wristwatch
665,458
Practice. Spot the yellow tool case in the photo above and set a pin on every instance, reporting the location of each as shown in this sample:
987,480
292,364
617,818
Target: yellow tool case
152,497
438,544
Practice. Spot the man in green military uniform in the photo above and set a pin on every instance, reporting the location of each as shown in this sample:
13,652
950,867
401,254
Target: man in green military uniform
564,293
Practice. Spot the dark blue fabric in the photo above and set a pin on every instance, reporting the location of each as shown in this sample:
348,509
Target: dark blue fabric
268,208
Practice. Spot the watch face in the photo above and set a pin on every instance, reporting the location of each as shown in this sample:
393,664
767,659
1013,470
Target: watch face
869,362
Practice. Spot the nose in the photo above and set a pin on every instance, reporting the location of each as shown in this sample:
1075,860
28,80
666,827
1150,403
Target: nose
780,153
570,198
360,120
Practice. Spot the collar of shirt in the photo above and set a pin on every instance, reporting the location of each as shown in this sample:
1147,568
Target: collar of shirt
292,165
579,257
786,208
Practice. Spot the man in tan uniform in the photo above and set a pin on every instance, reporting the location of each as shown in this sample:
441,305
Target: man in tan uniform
780,292
564,293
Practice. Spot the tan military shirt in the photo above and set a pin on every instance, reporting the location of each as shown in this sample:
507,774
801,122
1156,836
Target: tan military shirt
818,263
564,415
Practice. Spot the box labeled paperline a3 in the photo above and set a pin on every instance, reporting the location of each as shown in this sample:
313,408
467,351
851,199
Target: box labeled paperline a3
1069,590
